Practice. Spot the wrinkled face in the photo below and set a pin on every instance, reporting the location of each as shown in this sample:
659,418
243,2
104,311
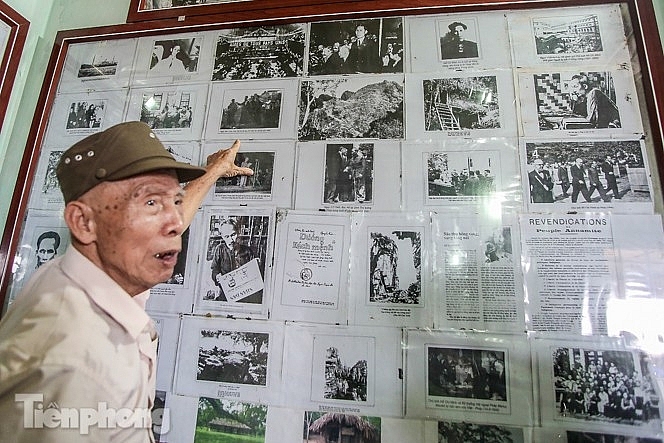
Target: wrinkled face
138,227
228,234
45,251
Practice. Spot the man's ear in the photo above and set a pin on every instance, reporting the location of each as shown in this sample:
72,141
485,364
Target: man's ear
80,220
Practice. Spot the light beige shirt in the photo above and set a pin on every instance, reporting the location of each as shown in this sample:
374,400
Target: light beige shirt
77,338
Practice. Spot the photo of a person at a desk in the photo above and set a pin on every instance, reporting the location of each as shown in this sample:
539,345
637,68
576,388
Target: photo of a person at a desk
591,107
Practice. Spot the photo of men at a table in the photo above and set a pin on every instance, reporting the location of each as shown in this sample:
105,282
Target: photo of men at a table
467,373
586,171
574,101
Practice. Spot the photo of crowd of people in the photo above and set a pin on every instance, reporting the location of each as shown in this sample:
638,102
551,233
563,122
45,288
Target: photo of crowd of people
86,114
264,52
167,110
589,172
259,109
461,174
349,173
467,373
349,47
570,34
611,386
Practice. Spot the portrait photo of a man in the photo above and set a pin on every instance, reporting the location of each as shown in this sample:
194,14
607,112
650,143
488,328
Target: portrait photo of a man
459,41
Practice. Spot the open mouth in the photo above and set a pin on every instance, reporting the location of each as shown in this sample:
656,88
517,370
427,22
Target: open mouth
167,255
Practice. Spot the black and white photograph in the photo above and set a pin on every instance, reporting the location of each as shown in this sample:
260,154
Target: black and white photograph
579,102
457,171
458,42
458,38
569,35
395,266
251,109
229,358
219,420
263,52
45,236
388,276
349,173
351,107
455,104
235,242
272,182
343,368
467,104
98,65
79,114
467,373
258,109
463,432
175,57
172,112
590,174
368,46
461,174
235,260
85,114
46,192
259,184
605,386
233,357
333,367
322,427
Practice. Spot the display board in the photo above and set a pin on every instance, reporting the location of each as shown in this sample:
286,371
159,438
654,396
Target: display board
453,231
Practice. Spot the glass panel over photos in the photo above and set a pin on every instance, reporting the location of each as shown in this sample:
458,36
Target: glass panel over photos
453,231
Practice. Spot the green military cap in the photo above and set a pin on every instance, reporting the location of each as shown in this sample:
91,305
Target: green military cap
119,152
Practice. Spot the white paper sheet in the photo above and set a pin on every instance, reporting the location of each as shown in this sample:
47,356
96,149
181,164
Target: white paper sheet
478,271
174,58
599,383
454,42
224,250
105,64
175,113
468,104
334,176
472,376
168,329
611,176
565,36
311,267
238,360
437,175
343,369
390,276
551,105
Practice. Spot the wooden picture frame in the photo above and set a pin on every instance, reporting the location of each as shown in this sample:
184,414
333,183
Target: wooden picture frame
646,52
13,32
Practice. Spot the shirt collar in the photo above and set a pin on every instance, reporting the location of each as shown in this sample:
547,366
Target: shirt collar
103,291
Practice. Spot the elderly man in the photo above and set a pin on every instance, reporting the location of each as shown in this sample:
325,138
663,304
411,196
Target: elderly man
77,349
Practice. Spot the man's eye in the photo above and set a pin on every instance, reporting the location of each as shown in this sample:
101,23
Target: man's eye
151,202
